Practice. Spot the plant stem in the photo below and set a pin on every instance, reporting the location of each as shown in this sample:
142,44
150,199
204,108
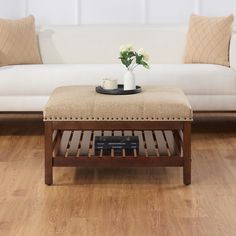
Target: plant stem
132,64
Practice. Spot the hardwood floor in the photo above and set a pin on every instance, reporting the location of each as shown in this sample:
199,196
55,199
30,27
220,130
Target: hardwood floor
139,201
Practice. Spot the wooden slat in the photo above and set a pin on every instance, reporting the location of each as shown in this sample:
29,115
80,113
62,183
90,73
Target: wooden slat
170,142
74,145
68,144
167,146
55,137
181,134
150,143
55,134
127,133
85,143
141,143
64,142
117,133
95,134
107,133
91,144
156,144
161,143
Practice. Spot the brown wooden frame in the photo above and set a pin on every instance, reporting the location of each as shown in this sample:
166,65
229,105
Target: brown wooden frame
108,161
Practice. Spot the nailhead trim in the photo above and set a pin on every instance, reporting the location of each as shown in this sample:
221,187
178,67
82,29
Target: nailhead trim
116,118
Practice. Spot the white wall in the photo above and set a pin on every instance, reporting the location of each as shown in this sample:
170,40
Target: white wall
114,11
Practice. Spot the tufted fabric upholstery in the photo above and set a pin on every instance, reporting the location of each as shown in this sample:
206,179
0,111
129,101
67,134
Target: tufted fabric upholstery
83,103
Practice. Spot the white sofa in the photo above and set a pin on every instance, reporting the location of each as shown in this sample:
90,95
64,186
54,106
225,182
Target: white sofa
85,54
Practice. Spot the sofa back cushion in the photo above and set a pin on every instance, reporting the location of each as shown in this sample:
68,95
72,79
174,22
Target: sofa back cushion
100,44
18,42
208,40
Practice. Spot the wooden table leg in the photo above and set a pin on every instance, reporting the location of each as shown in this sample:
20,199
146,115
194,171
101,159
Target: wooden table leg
187,153
48,153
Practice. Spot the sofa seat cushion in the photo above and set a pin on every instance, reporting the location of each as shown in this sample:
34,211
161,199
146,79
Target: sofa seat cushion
41,80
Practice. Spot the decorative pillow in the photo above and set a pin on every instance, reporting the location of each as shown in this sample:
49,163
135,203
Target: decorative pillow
208,40
18,42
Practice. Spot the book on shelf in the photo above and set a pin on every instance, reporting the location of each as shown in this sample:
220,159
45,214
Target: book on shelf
117,143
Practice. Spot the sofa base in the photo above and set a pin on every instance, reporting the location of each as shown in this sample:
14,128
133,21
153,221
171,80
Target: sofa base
209,103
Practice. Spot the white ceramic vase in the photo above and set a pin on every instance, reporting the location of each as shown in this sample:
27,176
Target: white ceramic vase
129,80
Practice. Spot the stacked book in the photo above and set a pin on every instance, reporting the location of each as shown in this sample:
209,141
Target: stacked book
117,143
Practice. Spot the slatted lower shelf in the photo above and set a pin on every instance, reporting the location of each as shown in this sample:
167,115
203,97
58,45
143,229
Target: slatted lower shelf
74,145
160,144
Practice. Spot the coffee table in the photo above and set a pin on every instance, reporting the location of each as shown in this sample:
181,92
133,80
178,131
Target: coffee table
160,116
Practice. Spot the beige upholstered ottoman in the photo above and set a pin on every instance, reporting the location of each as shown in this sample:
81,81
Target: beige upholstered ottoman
160,116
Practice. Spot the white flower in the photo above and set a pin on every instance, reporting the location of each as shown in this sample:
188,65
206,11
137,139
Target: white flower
145,55
129,47
124,48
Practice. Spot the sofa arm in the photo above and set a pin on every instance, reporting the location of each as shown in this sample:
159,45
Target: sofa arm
232,51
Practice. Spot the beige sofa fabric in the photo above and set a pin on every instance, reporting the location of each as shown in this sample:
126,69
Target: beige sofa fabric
83,103
18,42
208,40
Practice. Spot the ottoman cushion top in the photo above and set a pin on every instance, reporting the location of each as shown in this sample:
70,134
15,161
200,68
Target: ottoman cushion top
155,103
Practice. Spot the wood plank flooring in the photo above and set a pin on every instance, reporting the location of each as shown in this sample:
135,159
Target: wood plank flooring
139,201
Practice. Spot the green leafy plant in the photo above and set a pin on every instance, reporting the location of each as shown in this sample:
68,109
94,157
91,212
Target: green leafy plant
131,59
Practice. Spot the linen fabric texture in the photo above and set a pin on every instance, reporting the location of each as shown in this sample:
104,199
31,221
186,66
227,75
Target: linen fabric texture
18,42
208,40
71,103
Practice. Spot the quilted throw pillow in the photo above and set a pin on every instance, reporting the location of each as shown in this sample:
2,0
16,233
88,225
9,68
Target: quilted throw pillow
18,42
208,40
